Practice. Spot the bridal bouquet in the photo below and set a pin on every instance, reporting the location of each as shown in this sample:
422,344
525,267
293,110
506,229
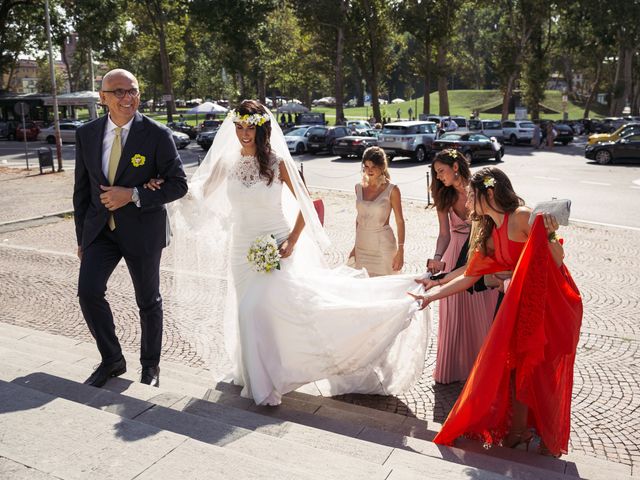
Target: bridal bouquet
264,254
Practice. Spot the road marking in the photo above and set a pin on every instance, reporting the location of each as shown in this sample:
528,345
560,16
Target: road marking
627,227
595,183
547,178
637,181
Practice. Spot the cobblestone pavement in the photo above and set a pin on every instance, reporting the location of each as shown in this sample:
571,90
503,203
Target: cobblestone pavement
38,275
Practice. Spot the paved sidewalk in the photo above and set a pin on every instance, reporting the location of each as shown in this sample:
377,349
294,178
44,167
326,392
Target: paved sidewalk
38,275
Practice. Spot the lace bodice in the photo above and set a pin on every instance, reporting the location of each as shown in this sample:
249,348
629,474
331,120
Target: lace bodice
247,172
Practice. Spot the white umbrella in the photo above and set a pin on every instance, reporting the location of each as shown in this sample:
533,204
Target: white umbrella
292,108
208,107
397,100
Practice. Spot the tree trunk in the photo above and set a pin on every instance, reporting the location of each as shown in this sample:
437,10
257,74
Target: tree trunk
506,99
63,53
262,88
443,94
618,85
338,74
426,71
594,89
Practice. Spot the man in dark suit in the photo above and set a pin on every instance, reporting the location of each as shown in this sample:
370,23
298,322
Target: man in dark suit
116,218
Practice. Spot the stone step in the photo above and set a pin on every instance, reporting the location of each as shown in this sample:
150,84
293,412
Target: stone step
66,440
331,416
293,455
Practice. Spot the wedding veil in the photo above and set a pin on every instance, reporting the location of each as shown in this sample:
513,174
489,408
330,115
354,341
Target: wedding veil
200,297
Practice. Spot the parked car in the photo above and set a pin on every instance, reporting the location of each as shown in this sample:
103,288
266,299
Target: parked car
517,131
67,133
8,129
324,138
490,128
463,124
592,125
205,139
180,139
31,132
208,125
610,137
474,146
611,124
564,133
408,139
623,149
297,139
358,125
354,145
184,127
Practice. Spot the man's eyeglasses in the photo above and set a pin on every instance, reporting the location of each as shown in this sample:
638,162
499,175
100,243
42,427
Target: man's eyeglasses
121,92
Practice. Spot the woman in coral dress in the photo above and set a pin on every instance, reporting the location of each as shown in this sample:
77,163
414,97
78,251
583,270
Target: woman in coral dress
375,248
523,376
464,318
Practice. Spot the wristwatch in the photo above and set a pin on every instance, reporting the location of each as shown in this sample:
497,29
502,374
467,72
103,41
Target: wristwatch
135,197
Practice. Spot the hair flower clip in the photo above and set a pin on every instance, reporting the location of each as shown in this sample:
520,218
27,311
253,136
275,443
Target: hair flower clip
489,182
453,153
257,119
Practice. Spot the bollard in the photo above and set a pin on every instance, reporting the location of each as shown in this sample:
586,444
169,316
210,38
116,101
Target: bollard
428,189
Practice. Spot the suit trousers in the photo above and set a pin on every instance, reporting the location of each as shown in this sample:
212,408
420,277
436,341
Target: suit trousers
99,260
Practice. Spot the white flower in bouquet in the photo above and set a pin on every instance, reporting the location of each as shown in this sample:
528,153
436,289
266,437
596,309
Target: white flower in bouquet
264,254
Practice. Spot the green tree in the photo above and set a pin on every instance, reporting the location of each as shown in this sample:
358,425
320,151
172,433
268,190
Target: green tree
372,44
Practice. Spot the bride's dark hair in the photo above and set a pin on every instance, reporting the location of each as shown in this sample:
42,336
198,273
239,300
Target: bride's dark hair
263,134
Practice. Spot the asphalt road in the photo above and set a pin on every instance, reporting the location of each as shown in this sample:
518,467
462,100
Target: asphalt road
608,195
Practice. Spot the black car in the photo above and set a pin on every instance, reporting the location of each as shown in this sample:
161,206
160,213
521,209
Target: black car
474,146
8,129
184,128
205,139
324,138
354,145
626,149
564,132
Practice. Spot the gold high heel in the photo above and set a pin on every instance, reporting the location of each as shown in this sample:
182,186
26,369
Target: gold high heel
515,439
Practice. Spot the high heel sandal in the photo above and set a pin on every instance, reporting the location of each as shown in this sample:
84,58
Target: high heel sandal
515,439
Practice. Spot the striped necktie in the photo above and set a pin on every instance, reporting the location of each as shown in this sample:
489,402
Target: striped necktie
114,159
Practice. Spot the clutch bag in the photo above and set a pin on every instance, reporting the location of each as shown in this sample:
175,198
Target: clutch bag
558,208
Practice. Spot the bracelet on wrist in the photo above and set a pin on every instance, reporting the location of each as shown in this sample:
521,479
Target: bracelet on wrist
437,256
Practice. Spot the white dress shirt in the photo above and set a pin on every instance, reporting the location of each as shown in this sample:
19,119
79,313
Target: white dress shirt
107,141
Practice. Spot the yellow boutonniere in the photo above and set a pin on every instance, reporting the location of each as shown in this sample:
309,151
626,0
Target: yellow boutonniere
138,160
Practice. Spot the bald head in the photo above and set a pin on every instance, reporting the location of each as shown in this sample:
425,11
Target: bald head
115,75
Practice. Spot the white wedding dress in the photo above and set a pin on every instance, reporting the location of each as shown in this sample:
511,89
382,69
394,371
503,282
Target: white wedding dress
302,324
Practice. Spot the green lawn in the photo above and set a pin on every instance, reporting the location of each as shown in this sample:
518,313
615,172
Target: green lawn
461,102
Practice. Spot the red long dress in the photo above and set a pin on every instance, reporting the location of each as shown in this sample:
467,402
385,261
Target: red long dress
535,332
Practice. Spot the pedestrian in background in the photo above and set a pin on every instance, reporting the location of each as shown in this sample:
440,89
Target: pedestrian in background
535,138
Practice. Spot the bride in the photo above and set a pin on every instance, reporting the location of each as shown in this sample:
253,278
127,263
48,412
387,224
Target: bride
303,322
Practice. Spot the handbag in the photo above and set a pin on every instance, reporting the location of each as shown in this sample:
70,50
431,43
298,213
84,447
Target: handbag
558,208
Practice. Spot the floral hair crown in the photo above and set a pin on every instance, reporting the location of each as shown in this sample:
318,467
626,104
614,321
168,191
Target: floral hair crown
489,182
257,119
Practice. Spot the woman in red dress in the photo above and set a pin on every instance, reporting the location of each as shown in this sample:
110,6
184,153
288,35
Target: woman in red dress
523,376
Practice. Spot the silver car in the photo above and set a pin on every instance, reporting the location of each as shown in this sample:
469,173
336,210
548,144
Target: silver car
67,133
408,139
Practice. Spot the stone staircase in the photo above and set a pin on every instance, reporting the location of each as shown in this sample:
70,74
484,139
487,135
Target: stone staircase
53,426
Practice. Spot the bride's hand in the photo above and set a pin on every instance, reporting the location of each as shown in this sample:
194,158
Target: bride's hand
423,299
286,249
550,223
154,184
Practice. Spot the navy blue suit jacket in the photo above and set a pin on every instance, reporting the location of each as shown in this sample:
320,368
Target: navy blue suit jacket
144,229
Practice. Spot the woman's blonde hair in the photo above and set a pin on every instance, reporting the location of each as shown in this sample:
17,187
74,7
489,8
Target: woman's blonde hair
376,156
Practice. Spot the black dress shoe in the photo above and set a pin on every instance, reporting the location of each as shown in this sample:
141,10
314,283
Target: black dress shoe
150,376
105,371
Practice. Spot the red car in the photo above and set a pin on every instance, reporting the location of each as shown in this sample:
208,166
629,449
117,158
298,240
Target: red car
31,131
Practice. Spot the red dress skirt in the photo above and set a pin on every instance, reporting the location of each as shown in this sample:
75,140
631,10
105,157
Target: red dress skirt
535,333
